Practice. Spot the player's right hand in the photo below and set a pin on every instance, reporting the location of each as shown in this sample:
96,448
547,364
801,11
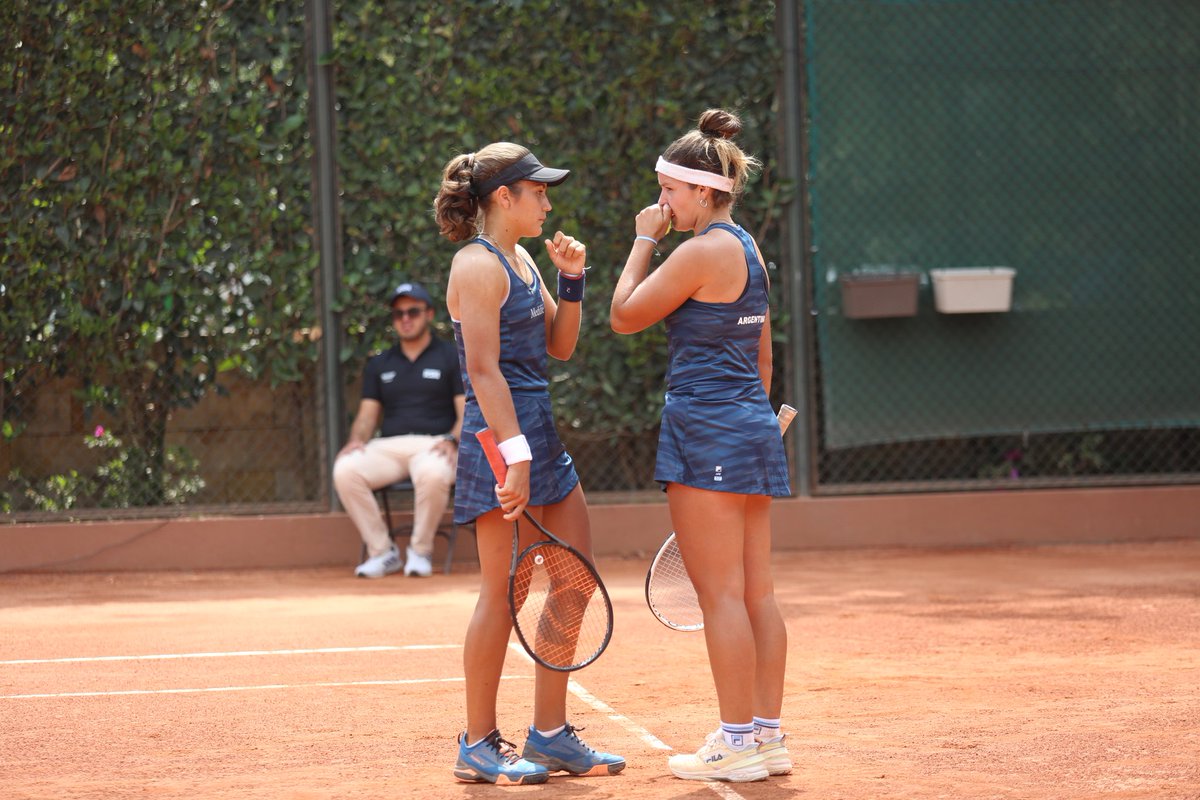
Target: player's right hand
514,494
654,221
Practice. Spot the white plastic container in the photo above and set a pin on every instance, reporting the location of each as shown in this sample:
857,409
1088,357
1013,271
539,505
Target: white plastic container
972,290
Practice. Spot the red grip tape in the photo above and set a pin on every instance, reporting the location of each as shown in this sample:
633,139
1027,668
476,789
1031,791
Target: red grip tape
492,451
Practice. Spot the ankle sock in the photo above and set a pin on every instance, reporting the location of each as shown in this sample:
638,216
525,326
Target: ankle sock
766,729
551,734
738,735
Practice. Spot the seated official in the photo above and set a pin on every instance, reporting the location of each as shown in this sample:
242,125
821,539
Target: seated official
413,394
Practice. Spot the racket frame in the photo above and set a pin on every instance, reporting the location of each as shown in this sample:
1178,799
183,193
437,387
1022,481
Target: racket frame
662,554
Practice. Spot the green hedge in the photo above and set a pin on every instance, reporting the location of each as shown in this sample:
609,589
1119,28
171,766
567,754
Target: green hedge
155,174
601,88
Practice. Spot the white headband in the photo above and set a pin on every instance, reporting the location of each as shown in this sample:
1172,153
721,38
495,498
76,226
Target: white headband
699,177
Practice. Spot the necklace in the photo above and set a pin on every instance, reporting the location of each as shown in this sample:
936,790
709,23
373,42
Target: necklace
511,256
517,264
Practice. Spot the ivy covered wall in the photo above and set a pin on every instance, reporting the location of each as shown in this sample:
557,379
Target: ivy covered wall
155,203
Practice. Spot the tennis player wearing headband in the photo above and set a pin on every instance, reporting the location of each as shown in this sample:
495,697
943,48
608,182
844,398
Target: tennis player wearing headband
505,323
720,453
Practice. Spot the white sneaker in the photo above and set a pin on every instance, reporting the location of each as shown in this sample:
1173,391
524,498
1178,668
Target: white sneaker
717,761
775,755
417,564
380,565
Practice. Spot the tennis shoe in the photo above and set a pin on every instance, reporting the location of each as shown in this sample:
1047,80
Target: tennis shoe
417,564
566,752
717,761
380,565
495,760
775,755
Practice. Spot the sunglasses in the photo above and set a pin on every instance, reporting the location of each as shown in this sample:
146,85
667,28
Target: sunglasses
412,313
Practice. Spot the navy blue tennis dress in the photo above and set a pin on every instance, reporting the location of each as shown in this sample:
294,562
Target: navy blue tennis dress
718,429
552,474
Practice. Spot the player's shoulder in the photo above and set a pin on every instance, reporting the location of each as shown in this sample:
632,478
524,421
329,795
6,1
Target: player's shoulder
701,252
472,256
475,269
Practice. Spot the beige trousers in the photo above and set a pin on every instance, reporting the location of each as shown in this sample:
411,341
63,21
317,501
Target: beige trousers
384,461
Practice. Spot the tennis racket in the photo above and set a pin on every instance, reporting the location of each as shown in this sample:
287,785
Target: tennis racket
559,606
669,591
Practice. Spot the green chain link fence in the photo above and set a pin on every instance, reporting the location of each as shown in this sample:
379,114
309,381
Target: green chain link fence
157,273
1055,140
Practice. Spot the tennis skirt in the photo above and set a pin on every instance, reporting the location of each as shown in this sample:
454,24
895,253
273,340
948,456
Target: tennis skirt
724,445
552,475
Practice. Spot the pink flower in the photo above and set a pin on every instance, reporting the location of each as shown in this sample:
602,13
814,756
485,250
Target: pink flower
99,431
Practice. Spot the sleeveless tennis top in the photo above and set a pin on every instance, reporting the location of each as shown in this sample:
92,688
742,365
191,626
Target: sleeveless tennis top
522,360
522,333
719,431
713,347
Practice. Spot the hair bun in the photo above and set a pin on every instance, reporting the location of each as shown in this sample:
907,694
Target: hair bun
720,124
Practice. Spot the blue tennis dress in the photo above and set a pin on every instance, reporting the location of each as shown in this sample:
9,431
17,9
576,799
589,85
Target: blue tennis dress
552,474
718,429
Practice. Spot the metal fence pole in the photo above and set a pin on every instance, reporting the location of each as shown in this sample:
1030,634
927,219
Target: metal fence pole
326,222
793,166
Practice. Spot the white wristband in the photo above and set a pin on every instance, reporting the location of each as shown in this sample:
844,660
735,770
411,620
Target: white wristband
515,450
649,239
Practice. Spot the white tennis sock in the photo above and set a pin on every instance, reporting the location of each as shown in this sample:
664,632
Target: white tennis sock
738,735
766,729
553,733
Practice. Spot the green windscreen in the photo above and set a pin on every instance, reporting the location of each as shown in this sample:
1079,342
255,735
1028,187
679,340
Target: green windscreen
1061,139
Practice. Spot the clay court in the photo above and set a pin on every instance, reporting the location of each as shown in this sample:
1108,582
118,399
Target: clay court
1051,672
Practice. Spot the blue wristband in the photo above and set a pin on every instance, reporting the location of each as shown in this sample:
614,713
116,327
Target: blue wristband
570,287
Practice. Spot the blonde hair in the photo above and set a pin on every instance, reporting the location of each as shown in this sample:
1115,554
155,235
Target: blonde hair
710,147
457,208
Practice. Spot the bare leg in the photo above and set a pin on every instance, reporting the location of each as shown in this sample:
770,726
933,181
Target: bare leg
710,528
569,521
486,642
770,633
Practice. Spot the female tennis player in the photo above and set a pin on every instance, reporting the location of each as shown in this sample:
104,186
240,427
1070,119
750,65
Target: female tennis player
505,323
720,453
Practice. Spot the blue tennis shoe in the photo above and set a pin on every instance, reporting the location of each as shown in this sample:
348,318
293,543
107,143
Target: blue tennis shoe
495,760
566,752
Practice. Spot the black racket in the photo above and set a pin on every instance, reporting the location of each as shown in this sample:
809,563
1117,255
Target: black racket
669,591
559,606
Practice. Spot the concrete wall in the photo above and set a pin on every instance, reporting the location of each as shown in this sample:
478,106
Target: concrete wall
626,529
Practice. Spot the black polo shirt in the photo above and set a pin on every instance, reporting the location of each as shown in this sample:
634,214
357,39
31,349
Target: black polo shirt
417,396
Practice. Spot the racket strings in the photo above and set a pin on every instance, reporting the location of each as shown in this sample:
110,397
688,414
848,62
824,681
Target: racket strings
670,592
561,610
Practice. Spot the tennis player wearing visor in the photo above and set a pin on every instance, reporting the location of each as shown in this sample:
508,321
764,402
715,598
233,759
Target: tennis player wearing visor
506,321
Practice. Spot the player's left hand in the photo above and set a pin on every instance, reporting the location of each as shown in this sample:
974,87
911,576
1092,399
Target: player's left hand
568,253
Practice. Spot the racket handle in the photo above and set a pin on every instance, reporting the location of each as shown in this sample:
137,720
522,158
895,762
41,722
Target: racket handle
785,417
492,451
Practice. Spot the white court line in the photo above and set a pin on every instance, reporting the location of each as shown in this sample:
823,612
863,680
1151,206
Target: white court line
587,697
622,720
262,687
723,791
233,654
575,687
